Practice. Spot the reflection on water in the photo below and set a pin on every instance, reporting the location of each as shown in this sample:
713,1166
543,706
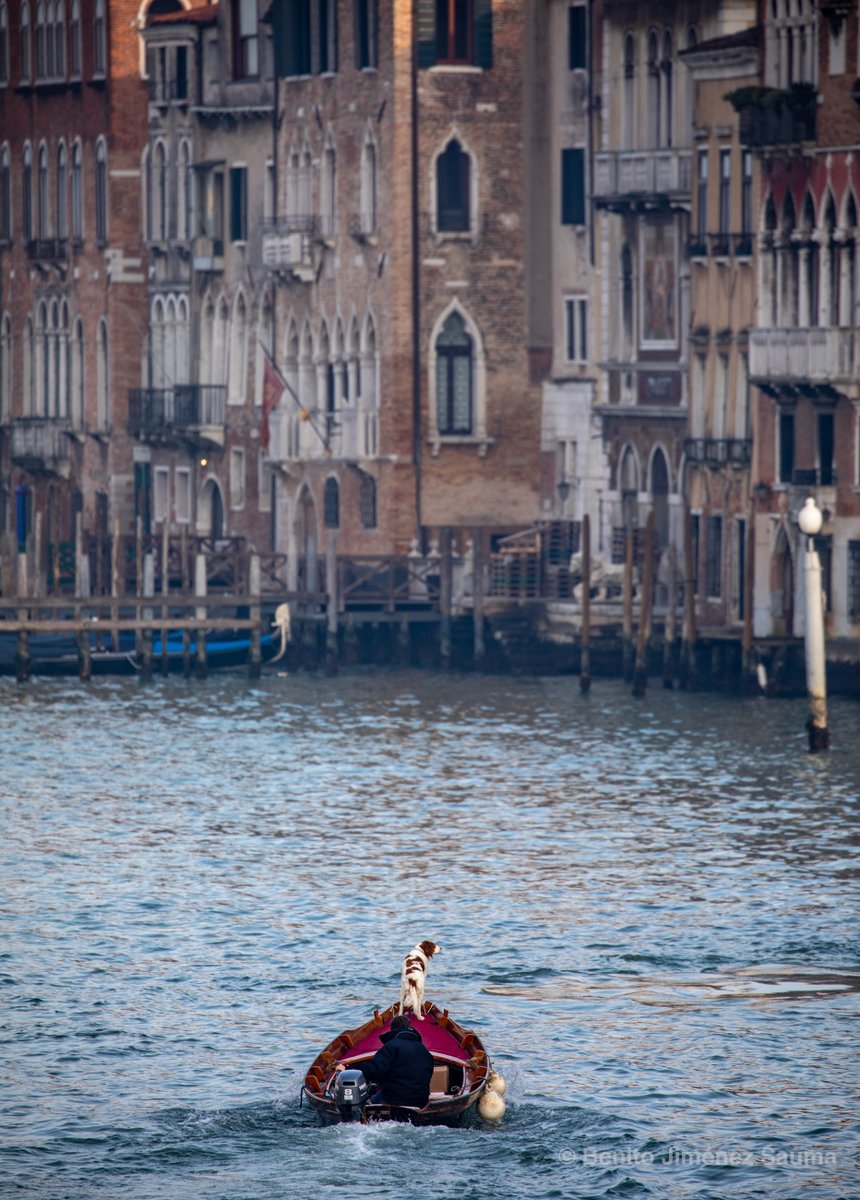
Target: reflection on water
647,908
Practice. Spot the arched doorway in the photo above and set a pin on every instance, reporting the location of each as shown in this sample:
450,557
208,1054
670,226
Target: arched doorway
210,511
305,541
660,497
782,586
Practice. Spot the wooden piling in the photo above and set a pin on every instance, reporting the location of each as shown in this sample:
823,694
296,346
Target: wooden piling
115,567
585,652
331,613
445,590
640,670
201,669
255,661
478,597
404,642
22,650
186,653
138,577
669,623
165,589
627,653
148,587
85,663
688,674
37,574
749,681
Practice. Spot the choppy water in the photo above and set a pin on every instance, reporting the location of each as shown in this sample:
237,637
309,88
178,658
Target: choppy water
647,908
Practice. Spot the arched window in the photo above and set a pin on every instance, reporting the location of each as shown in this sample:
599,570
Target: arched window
103,377
238,352
368,218
159,192
78,374
812,282
77,194
220,346
4,44
654,93
44,201
307,371
630,91
75,39
848,274
29,367
100,39
27,194
328,192
341,383
369,370
40,361
660,496
101,192
183,190
62,211
353,351
791,262
331,504
5,195
454,377
182,368
41,40
26,42
205,342
60,40
666,68
5,368
367,502
627,314
453,171
628,486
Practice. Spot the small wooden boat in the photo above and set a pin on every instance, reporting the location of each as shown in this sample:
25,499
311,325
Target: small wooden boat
460,1073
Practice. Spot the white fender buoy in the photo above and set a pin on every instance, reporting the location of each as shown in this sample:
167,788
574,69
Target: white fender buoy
497,1083
282,623
491,1106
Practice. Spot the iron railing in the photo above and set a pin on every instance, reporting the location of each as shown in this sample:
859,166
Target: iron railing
184,407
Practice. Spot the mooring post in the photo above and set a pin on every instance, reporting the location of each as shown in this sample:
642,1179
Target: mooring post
138,582
478,596
669,622
22,651
148,614
627,654
585,652
115,567
201,668
688,677
445,590
38,576
165,591
255,667
640,670
749,673
331,613
810,521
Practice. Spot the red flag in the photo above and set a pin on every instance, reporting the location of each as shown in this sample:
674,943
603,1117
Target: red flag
273,389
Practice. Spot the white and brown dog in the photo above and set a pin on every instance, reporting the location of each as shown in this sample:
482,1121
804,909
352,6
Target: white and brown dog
412,977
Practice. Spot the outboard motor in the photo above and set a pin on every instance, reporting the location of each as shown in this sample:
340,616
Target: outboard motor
351,1091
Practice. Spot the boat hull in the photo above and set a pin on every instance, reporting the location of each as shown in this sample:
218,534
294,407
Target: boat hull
459,1078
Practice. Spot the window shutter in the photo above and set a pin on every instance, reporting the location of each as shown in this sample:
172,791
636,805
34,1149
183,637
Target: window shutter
426,33
484,33
279,36
573,187
576,33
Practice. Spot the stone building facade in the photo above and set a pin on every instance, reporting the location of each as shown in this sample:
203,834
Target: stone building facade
72,264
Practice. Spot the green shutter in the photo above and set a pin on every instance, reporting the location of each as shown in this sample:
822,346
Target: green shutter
426,33
484,33
573,187
576,37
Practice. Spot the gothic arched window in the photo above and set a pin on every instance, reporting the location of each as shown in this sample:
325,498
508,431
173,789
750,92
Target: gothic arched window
454,377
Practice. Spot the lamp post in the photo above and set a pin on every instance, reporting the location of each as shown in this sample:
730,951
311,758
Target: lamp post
810,521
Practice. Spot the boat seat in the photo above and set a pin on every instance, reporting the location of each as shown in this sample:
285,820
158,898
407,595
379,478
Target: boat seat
439,1080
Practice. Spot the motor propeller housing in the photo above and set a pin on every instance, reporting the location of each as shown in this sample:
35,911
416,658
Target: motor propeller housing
351,1091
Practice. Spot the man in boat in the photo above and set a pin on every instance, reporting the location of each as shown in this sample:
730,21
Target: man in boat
402,1069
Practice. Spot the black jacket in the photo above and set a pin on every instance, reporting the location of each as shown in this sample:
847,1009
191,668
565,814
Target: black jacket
402,1068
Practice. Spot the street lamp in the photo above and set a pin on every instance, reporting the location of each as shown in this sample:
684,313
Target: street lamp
810,521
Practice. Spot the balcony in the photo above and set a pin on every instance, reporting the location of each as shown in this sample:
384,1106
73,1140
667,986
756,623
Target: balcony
786,120
48,249
624,178
352,433
719,452
41,444
186,412
287,246
813,359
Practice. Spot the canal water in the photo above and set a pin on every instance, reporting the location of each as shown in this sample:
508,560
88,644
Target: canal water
648,909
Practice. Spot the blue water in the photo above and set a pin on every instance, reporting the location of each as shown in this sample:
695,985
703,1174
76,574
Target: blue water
648,909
